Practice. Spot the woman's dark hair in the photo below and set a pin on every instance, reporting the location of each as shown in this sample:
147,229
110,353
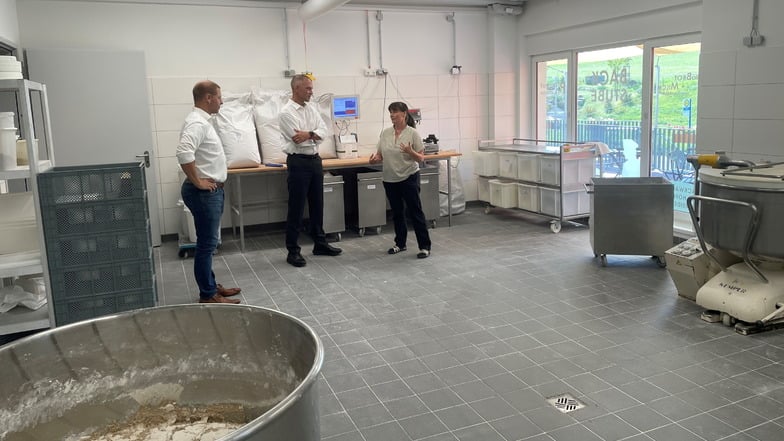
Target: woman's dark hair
399,106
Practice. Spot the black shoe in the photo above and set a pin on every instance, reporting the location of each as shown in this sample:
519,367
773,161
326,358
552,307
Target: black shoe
396,249
326,250
296,259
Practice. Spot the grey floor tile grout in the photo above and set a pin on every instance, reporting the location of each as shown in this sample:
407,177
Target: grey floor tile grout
502,300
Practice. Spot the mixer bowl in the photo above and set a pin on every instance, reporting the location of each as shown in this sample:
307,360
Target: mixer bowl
76,378
724,226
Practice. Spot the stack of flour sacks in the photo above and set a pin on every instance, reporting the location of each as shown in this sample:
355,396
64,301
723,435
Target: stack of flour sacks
248,127
10,68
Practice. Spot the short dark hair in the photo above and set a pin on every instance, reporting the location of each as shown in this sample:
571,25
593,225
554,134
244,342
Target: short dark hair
399,106
296,79
204,88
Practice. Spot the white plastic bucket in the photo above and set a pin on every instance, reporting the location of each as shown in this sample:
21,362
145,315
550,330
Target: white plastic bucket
6,120
7,148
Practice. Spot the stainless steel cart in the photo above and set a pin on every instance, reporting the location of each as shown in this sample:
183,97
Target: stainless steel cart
428,193
365,199
334,217
631,216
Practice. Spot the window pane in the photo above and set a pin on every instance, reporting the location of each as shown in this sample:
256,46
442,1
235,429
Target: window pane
551,101
609,105
674,116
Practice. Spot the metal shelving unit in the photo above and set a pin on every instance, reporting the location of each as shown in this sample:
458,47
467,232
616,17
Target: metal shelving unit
549,179
28,101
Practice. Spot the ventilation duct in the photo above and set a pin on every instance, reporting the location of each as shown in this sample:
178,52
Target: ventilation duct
316,8
503,9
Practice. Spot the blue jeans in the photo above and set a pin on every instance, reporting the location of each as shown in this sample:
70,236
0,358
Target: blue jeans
207,209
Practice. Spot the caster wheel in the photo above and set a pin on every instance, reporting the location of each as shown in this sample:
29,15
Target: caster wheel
182,254
361,232
378,230
603,259
339,237
661,262
727,320
555,227
595,255
433,224
487,209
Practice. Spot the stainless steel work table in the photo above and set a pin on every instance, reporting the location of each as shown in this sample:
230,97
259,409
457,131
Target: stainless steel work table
237,206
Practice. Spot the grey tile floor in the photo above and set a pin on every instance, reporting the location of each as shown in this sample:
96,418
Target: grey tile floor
469,343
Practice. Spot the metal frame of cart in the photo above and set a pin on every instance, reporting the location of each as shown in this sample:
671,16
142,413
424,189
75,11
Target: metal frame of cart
561,174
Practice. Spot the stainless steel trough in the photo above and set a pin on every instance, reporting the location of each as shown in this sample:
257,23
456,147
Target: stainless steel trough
72,379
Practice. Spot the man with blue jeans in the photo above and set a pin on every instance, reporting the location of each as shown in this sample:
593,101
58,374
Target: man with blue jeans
201,156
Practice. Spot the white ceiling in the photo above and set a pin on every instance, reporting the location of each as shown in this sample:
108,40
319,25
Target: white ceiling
422,3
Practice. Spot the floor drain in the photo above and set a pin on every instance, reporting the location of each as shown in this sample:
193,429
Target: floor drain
565,403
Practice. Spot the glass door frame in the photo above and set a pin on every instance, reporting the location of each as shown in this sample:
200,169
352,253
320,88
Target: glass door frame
571,91
646,121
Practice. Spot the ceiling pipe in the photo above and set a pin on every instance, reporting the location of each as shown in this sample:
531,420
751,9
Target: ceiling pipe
316,8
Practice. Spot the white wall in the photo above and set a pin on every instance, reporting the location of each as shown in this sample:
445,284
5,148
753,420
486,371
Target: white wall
742,89
9,28
242,47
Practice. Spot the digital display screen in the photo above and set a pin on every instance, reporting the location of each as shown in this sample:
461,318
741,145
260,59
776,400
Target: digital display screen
345,107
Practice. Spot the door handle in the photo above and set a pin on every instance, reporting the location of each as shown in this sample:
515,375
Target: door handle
145,158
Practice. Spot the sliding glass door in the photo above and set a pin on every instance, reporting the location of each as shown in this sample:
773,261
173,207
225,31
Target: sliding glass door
639,99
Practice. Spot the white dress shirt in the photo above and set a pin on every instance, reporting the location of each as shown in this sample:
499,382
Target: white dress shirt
305,118
200,142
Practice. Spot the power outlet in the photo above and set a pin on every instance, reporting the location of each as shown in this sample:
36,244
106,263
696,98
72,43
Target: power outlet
381,72
370,73
753,40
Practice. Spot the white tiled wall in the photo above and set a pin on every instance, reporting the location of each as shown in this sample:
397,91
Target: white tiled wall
454,108
741,95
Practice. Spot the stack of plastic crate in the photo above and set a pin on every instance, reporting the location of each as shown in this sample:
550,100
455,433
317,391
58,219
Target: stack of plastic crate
96,228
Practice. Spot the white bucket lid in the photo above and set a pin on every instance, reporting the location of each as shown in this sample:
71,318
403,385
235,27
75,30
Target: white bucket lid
755,179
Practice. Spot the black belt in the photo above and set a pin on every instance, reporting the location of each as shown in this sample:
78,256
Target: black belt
217,184
300,155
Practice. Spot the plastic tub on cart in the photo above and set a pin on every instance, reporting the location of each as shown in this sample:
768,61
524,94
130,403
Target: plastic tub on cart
503,194
631,216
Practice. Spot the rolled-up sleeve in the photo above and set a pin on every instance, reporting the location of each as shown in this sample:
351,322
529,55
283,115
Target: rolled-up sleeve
321,126
191,137
288,124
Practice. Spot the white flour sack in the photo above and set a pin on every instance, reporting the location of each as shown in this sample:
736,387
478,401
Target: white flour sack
267,105
234,124
324,105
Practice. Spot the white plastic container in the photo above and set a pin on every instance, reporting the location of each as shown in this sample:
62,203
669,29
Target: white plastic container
577,172
527,197
7,148
549,170
18,230
528,167
507,165
574,203
6,120
486,163
503,194
483,189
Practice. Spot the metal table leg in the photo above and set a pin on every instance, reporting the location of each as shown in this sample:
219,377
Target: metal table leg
449,189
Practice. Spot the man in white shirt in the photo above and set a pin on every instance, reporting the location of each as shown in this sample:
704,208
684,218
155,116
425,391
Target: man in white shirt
304,129
200,154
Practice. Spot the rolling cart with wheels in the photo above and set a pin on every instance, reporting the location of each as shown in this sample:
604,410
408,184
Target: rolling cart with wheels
549,177
631,216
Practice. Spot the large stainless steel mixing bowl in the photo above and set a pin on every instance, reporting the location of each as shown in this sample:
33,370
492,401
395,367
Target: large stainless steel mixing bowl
724,225
81,376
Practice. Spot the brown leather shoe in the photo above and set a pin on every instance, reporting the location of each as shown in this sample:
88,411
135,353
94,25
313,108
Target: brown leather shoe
217,298
228,292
